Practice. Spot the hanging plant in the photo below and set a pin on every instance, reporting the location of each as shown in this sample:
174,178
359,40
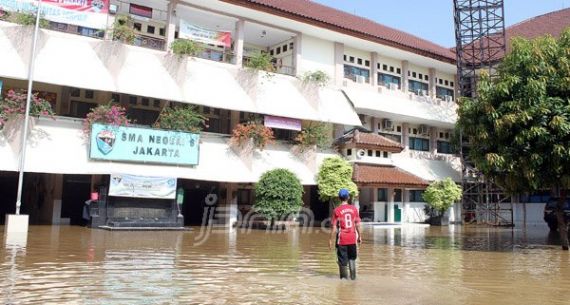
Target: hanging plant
123,29
315,134
105,114
260,61
23,18
182,118
186,47
14,104
255,131
318,78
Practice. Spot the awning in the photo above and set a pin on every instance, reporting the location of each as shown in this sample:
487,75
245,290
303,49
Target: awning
430,170
334,107
58,147
398,105
371,175
14,59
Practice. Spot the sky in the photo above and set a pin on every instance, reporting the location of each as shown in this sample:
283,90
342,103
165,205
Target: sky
433,19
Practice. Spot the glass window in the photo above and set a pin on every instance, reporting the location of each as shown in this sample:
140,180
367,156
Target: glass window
162,31
351,72
137,26
132,100
385,67
116,98
367,63
387,79
416,196
421,76
143,116
444,147
150,29
344,56
378,153
442,92
90,94
139,10
349,152
80,109
351,59
145,101
385,154
370,152
290,46
441,81
419,144
391,69
382,194
416,87
74,92
399,71
451,84
414,74
359,61
397,195
156,103
284,48
278,51
447,83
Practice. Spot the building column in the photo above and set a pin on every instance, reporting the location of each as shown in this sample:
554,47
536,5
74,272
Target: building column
170,23
375,203
390,205
374,68
238,43
374,122
234,119
432,83
338,63
405,136
405,68
406,205
297,45
231,205
433,140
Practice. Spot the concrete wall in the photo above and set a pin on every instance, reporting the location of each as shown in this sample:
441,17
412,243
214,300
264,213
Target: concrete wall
534,215
414,212
317,54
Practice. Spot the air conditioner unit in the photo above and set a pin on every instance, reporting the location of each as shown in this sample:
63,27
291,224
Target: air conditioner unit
423,93
449,98
380,90
393,86
113,8
361,153
387,124
423,130
360,79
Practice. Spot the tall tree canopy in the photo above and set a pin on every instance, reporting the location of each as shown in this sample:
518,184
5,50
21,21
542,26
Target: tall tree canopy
519,123
335,173
278,193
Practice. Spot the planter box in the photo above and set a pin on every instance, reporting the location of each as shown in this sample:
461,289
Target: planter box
439,220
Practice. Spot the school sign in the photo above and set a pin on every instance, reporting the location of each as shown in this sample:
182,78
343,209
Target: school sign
144,145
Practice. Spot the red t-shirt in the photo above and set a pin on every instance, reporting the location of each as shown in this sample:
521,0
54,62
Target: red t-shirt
347,217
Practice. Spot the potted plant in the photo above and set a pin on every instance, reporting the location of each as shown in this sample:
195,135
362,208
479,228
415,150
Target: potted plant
14,104
278,195
181,118
313,135
260,61
252,131
123,29
318,77
109,114
186,47
440,196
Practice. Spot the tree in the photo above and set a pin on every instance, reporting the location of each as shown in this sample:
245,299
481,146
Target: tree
335,173
519,123
440,195
278,193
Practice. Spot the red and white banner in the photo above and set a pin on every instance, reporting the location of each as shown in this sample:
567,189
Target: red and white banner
196,33
86,13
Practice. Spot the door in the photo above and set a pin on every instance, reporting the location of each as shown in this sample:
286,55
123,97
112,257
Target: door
76,190
193,207
397,214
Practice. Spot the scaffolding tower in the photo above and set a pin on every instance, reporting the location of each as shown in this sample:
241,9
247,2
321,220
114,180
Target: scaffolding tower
480,46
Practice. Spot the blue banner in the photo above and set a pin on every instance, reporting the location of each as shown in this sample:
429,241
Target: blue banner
145,145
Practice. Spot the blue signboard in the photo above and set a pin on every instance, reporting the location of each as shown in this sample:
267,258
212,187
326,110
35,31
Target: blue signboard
135,144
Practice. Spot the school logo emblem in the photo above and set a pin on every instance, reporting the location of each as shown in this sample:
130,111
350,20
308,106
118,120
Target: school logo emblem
105,141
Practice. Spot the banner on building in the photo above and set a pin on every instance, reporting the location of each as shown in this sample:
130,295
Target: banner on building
86,13
144,145
196,33
122,185
282,123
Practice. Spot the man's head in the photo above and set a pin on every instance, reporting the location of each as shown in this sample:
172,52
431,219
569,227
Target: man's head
343,194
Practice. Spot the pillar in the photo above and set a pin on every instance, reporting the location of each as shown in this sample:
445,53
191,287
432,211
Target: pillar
374,68
432,83
390,205
406,205
231,204
238,42
406,136
338,63
433,140
297,44
374,122
234,119
405,68
170,22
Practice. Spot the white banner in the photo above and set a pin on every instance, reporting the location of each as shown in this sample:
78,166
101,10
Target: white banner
196,33
142,187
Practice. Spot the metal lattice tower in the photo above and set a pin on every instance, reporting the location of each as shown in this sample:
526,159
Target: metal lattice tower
480,46
480,39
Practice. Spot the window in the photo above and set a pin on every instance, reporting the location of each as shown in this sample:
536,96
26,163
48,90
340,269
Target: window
378,153
416,87
397,195
145,101
399,71
399,128
283,134
367,63
243,196
278,51
351,72
132,100
150,29
387,79
351,59
162,31
137,26
420,76
140,10
385,154
382,195
290,46
426,77
441,81
441,135
442,92
385,67
344,57
156,103
116,98
419,144
370,153
416,196
413,74
74,92
284,48
359,61
142,116
349,152
90,94
444,147
447,83
451,84
271,52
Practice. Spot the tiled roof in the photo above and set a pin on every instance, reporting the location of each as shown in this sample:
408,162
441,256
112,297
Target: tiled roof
381,176
320,15
370,140
552,23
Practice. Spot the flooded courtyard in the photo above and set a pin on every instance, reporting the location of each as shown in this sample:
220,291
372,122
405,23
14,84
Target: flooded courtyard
408,265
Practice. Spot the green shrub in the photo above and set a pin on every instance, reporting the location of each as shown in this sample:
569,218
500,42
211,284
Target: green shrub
186,47
318,77
277,194
260,61
123,29
181,118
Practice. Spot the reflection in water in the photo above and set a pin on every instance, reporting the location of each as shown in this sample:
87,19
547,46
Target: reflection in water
408,265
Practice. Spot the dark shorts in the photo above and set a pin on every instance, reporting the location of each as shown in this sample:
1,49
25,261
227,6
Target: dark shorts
346,253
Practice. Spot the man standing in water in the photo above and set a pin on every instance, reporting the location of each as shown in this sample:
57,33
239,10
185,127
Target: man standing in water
348,221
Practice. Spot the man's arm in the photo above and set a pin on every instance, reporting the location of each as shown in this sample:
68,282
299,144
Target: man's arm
357,224
333,231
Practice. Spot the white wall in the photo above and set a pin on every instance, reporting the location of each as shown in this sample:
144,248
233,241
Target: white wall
534,215
317,54
414,212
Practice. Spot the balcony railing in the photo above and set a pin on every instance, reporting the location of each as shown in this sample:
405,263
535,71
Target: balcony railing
149,42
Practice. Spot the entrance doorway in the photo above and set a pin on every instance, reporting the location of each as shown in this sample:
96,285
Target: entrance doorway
76,190
8,189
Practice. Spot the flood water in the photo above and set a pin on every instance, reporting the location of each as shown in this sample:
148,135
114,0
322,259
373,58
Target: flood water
410,265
